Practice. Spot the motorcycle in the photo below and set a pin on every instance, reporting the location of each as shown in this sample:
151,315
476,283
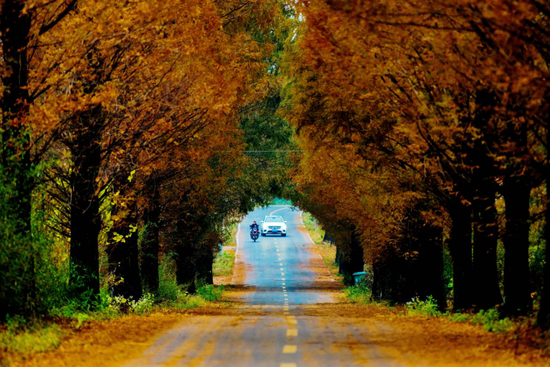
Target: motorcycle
254,234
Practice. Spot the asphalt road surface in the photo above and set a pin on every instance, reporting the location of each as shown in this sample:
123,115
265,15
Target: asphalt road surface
281,288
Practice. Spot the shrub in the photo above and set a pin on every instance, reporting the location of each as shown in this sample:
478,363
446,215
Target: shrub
491,321
210,293
359,294
427,307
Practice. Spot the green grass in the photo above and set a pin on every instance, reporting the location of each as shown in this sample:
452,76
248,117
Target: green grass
31,340
317,233
358,294
223,263
205,294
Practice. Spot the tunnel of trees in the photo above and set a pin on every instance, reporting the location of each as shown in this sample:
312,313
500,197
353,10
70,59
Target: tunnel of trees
415,132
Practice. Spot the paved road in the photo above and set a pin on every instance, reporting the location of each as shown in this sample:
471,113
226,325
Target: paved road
278,319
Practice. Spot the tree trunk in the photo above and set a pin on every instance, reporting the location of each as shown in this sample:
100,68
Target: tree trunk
185,267
124,257
150,246
15,25
204,268
517,288
85,216
351,261
460,246
429,269
486,286
15,159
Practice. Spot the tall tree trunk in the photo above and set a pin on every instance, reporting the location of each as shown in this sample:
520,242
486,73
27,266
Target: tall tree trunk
205,262
15,25
351,261
124,256
150,245
185,267
429,269
486,286
517,288
85,216
460,246
15,159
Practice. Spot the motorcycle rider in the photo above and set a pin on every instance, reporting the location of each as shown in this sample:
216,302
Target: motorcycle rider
254,225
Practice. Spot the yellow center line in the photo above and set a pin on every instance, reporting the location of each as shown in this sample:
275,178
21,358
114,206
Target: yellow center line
292,332
283,274
287,365
289,349
283,279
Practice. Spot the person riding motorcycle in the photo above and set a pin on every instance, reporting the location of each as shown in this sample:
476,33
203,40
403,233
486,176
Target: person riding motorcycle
254,225
254,231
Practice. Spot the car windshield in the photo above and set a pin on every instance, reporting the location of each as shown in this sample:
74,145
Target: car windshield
274,219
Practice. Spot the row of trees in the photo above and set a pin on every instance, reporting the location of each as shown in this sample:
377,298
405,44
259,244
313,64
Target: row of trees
424,128
121,140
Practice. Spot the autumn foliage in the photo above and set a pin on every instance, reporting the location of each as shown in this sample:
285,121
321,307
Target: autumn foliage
121,144
416,119
132,131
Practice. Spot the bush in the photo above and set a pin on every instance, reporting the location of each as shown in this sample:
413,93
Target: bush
427,307
144,305
491,321
168,285
359,293
210,293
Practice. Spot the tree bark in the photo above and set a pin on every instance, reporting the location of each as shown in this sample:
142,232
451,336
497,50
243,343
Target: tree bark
150,246
351,261
15,158
460,246
486,286
185,267
204,268
15,25
517,288
85,216
429,269
124,256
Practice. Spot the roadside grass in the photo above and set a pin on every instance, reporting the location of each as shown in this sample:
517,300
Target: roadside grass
326,249
20,337
489,319
316,232
25,340
223,263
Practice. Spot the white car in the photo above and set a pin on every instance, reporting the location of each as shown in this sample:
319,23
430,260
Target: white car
273,224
